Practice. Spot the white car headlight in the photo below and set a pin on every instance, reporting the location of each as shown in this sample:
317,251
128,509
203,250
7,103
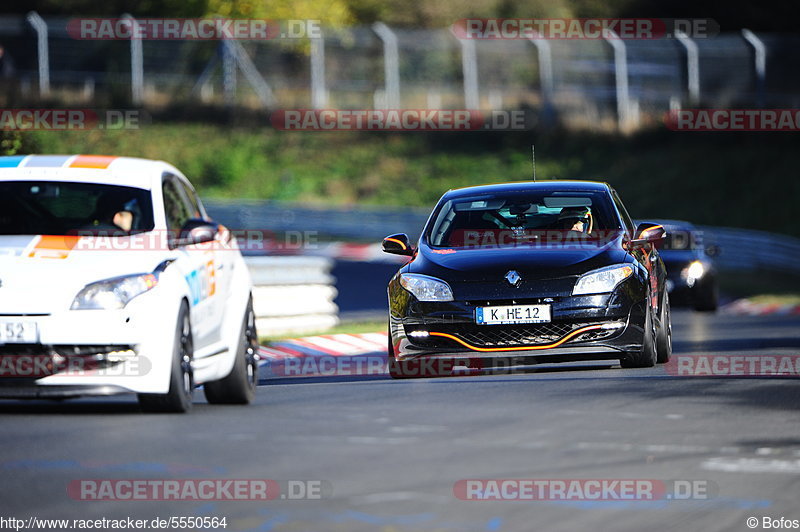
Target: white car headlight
113,293
426,288
602,280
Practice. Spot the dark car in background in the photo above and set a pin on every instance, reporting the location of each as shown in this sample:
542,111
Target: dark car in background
689,259
519,273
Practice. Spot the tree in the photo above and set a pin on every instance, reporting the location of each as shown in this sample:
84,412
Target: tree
329,12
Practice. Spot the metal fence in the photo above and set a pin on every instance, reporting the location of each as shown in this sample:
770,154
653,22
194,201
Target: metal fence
625,83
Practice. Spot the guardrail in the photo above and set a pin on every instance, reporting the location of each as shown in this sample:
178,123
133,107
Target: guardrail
345,223
293,294
747,250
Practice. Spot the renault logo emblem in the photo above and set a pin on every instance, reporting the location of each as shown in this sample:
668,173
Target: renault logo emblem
513,278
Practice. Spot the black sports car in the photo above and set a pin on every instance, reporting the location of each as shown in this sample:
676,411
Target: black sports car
519,273
689,259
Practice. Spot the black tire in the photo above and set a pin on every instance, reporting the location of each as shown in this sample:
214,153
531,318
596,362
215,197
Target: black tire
181,379
395,371
239,387
646,358
707,300
664,336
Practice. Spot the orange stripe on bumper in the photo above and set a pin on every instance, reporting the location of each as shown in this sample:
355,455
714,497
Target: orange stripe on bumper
92,161
527,348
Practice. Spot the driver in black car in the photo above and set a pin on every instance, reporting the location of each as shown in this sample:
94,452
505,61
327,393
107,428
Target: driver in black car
578,219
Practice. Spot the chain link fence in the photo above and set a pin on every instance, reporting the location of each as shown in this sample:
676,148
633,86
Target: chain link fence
577,82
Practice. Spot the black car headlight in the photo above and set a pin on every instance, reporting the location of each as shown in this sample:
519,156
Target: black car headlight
113,293
426,288
693,272
602,280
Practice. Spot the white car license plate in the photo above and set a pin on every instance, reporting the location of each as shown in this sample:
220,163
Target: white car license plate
512,314
18,332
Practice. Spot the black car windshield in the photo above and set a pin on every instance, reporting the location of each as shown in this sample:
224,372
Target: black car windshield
554,218
66,208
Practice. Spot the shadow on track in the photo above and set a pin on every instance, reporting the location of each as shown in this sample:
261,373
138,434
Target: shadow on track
330,379
69,406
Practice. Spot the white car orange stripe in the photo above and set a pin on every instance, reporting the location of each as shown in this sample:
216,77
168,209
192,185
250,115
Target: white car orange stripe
51,247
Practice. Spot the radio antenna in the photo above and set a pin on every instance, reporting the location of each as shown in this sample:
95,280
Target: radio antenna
533,157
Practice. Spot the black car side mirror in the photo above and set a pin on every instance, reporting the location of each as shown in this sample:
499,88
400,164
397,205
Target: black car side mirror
647,233
197,231
398,244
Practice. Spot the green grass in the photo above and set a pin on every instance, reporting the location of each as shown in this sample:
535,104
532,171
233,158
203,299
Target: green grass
729,179
776,299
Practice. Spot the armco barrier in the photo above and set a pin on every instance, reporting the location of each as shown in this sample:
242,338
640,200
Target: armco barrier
342,223
743,250
293,294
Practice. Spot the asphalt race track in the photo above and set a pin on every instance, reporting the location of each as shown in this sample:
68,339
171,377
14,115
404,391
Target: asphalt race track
390,452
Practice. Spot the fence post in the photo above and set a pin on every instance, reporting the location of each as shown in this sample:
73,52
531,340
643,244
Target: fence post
621,77
40,27
229,80
251,74
760,65
137,63
545,55
469,66
391,65
692,67
319,96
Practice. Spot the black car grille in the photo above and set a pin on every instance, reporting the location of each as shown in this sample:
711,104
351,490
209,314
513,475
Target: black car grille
488,336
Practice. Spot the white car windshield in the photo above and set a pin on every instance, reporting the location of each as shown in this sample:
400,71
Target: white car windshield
65,208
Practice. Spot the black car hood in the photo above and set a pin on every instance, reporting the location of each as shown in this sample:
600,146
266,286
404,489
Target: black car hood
492,264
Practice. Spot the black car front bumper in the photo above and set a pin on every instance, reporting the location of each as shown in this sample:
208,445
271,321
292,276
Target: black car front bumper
604,326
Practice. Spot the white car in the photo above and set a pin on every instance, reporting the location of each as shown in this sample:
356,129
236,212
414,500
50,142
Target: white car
114,280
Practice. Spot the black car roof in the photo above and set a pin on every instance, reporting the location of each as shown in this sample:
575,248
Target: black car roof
529,186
